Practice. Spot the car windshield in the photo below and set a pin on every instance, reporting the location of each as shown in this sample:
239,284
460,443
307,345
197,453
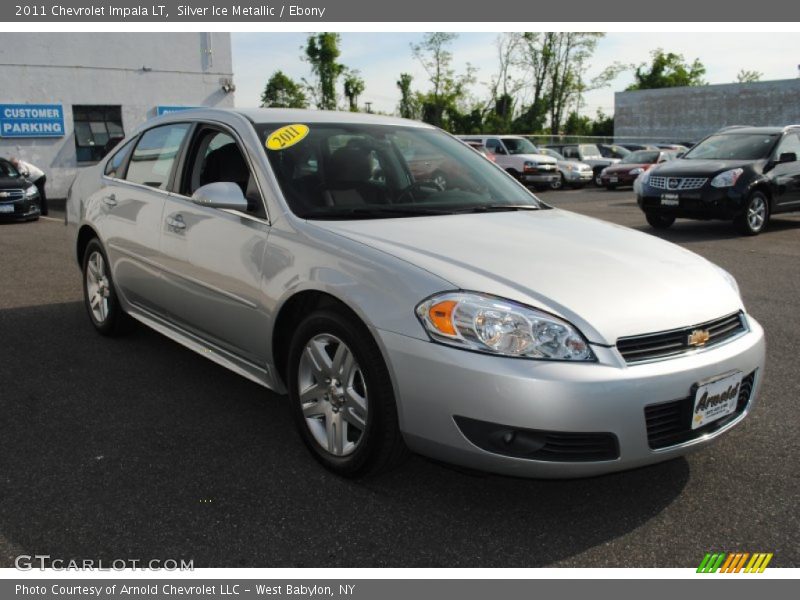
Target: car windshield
553,153
590,151
7,169
519,146
365,171
733,146
642,157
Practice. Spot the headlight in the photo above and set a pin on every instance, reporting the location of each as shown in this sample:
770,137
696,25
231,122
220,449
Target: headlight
636,171
727,179
30,191
495,326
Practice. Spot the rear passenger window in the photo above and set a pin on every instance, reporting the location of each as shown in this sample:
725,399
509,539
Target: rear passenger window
114,167
151,162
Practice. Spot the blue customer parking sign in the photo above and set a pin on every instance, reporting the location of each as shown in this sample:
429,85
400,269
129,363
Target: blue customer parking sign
31,120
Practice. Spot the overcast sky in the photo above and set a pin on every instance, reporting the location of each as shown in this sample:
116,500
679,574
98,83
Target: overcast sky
381,57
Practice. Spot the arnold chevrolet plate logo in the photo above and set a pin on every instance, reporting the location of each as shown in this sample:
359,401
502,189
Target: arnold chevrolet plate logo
698,337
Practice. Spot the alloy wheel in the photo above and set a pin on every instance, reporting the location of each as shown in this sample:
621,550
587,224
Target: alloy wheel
757,213
97,286
333,394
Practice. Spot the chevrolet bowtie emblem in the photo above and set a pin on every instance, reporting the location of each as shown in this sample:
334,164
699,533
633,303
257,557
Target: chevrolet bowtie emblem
699,337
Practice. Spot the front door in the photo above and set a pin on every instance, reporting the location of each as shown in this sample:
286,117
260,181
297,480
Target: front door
212,257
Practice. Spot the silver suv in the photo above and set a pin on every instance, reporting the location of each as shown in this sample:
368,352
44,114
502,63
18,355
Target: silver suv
472,323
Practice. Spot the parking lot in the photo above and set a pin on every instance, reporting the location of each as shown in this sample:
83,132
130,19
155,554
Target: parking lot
137,448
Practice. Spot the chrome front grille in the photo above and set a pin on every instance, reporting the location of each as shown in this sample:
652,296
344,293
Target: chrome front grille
665,344
676,183
11,195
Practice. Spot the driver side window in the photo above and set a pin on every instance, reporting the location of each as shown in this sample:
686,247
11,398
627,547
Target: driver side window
790,143
215,156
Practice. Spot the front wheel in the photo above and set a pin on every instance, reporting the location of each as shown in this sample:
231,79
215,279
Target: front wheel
657,221
341,395
598,180
755,216
559,183
99,295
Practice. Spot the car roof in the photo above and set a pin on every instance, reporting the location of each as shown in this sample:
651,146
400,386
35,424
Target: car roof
288,115
757,130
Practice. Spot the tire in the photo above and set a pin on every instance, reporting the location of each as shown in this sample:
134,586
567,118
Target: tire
658,221
755,216
597,179
559,184
358,397
99,295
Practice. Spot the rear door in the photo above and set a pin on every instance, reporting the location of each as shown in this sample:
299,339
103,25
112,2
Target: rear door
213,257
502,158
787,175
132,199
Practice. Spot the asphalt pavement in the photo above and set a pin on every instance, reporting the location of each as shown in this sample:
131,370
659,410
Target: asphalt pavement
137,448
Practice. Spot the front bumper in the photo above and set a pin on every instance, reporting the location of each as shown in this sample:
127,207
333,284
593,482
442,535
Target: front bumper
618,179
705,203
578,176
20,210
437,385
546,177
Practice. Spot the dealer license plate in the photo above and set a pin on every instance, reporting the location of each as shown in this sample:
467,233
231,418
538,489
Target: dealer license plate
6,208
670,200
716,399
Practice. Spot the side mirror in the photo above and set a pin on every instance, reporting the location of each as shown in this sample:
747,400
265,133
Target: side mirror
787,157
221,194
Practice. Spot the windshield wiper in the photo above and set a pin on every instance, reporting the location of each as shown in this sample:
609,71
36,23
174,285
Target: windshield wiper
496,208
375,212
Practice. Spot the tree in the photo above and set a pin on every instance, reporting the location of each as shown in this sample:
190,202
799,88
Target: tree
668,70
322,52
408,105
447,88
745,76
353,88
282,91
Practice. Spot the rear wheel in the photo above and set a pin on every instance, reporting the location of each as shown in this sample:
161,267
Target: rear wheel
658,221
99,295
755,216
341,395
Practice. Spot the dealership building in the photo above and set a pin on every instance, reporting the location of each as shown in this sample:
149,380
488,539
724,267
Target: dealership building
67,98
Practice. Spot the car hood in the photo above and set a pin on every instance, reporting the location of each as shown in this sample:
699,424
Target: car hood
13,183
625,167
697,168
539,158
608,280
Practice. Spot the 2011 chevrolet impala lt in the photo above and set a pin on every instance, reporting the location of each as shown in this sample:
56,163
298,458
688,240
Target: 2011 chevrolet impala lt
466,320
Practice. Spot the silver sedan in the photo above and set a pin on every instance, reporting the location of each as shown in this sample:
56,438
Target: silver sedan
474,324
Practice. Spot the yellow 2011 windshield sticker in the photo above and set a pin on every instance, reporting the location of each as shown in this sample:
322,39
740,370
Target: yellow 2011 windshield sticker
285,137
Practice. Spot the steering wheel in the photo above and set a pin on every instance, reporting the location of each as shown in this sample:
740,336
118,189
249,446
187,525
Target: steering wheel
417,186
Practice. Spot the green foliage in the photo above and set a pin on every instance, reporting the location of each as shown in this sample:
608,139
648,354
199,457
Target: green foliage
408,107
353,88
282,91
745,76
668,70
322,52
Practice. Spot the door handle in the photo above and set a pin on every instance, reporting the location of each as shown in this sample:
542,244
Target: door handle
176,223
110,200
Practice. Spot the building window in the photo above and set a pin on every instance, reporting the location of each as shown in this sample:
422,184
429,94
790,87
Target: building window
97,130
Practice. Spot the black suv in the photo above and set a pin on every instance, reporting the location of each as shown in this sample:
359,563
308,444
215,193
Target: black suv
742,174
